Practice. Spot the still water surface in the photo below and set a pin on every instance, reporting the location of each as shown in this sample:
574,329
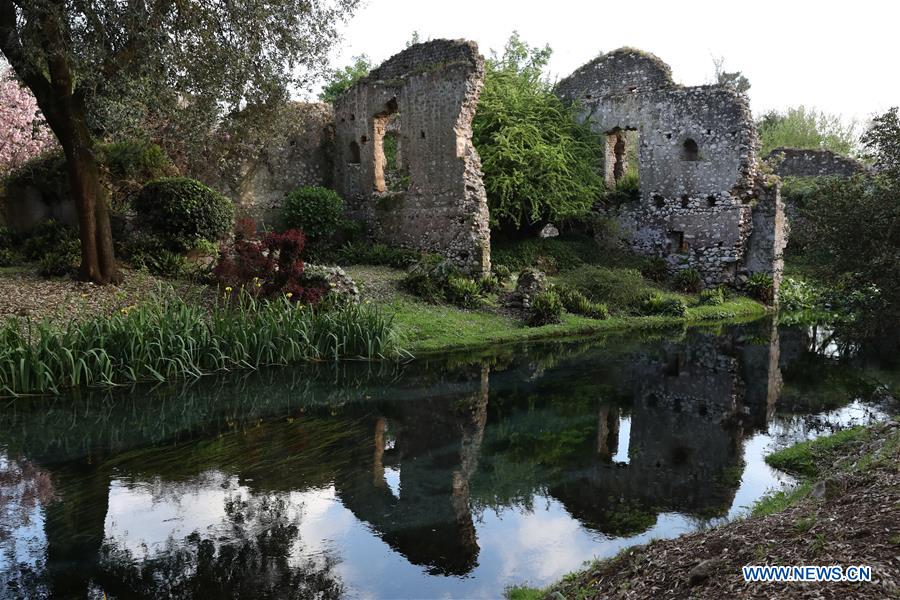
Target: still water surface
450,477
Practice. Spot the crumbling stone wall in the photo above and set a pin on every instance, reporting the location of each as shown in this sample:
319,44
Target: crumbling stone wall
404,159
293,149
798,162
697,163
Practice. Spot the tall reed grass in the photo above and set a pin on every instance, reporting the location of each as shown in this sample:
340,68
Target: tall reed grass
168,338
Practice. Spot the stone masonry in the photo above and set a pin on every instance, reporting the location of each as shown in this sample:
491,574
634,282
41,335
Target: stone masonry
799,162
703,202
295,150
404,159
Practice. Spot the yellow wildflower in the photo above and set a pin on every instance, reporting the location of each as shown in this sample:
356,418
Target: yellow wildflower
290,294
228,289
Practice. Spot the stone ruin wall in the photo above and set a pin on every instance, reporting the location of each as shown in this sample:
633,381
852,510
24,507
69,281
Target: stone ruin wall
427,192
295,151
700,188
798,162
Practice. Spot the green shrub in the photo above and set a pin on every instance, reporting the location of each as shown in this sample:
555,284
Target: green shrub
136,160
619,289
501,272
463,292
712,297
167,263
657,304
50,237
578,304
316,211
490,284
558,254
57,263
426,277
655,268
546,308
364,253
7,257
688,281
182,212
761,287
627,190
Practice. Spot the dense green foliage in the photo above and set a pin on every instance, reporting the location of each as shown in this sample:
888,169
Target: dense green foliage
341,80
550,254
367,253
688,280
128,165
538,163
622,290
712,297
183,212
578,304
801,127
848,233
316,211
762,287
658,304
169,338
436,279
136,159
546,308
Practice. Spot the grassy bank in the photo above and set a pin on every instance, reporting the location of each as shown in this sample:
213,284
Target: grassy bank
424,328
841,512
166,337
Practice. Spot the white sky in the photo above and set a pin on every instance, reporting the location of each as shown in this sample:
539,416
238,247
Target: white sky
840,57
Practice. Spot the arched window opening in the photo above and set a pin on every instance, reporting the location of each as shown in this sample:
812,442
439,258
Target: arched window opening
354,153
690,150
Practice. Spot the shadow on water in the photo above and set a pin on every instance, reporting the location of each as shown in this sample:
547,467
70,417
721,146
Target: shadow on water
456,475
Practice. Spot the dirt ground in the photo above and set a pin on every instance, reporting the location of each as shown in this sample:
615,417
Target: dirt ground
26,295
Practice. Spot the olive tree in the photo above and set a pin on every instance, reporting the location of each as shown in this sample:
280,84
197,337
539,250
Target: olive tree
217,55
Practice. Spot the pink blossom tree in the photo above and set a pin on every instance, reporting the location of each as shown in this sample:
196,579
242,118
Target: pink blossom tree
23,132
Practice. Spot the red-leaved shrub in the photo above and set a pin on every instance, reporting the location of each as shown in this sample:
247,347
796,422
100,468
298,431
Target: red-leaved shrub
269,267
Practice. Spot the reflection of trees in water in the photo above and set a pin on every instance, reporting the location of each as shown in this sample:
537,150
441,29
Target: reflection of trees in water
24,489
257,554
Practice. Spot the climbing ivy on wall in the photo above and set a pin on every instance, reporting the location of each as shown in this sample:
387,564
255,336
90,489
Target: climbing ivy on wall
539,163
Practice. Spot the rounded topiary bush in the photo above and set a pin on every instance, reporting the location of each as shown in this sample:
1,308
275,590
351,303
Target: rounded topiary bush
316,211
183,212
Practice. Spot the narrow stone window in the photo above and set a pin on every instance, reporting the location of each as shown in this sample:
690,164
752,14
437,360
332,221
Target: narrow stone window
659,201
621,157
677,242
354,153
388,151
711,200
690,150
685,201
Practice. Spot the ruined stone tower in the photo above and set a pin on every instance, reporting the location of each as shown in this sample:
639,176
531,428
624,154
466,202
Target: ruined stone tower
404,159
703,202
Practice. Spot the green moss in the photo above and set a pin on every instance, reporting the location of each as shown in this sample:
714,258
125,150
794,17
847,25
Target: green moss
779,501
523,593
806,458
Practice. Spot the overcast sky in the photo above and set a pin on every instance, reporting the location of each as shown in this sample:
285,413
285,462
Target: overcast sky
841,57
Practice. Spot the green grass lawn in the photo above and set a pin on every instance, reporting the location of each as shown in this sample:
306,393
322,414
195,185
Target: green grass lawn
425,328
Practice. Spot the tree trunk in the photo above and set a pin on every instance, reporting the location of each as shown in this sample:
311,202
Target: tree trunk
98,262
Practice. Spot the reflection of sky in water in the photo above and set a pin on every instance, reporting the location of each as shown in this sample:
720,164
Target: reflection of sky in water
516,545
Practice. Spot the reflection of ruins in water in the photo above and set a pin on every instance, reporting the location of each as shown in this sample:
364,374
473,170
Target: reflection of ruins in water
616,437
